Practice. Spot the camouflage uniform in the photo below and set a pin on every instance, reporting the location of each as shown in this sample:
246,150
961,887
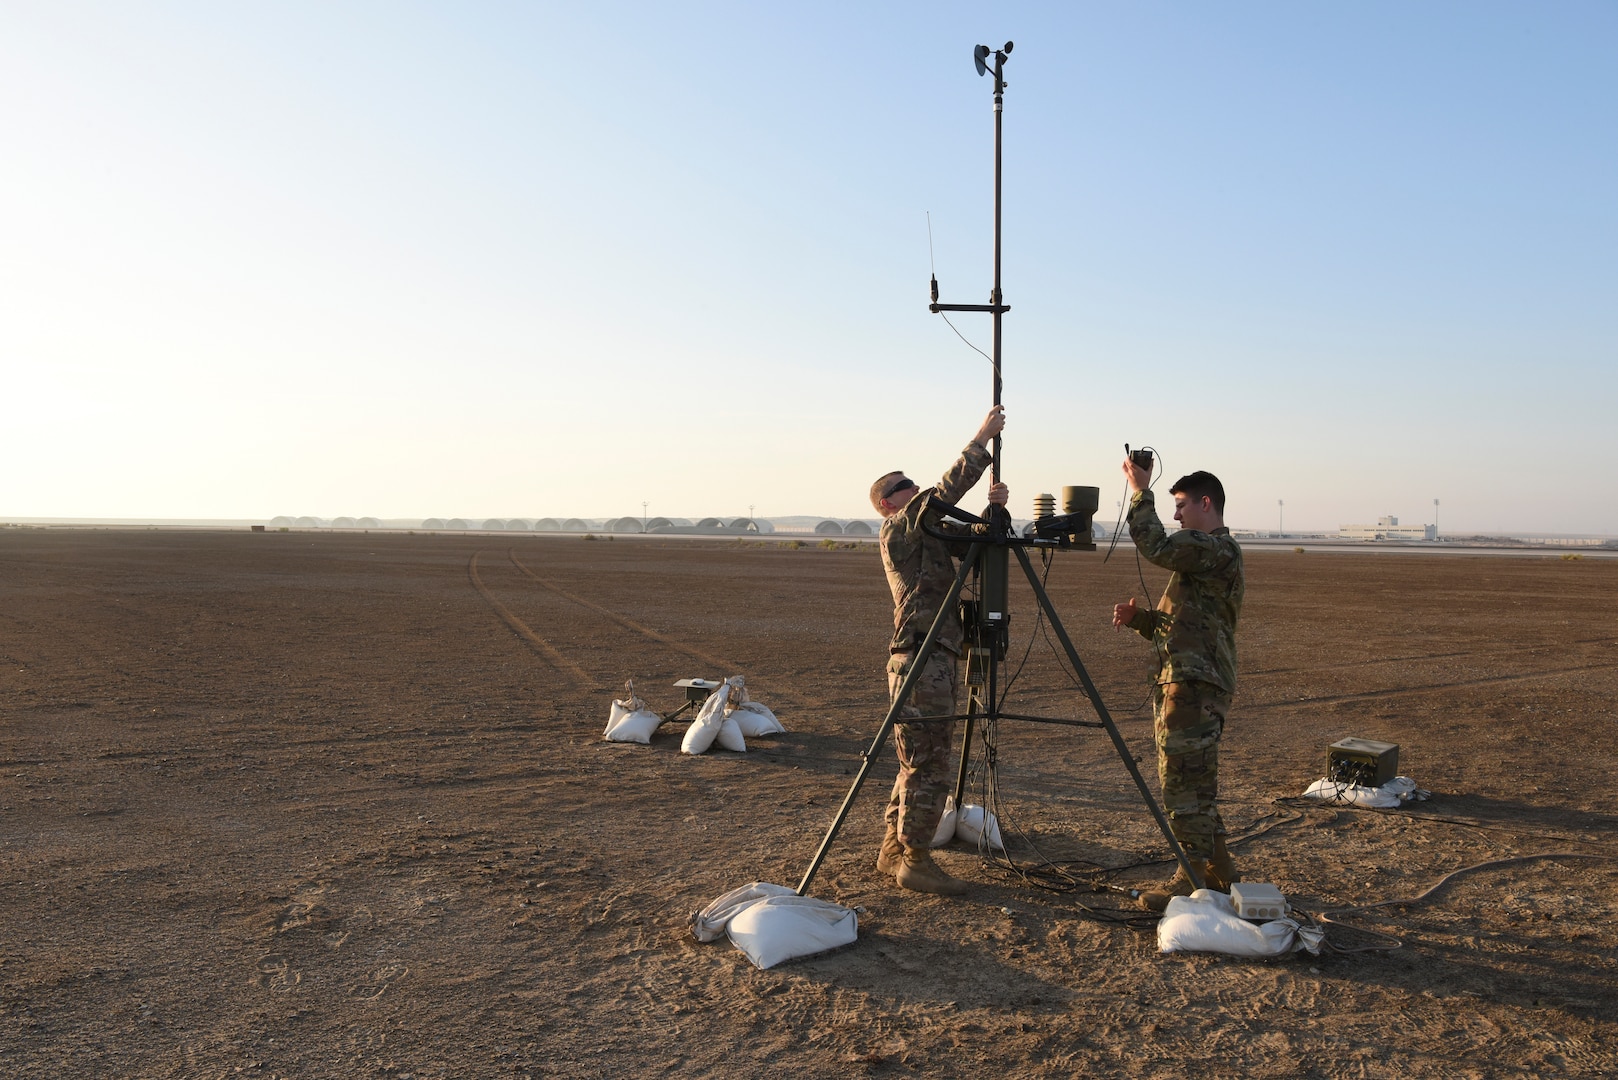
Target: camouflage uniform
920,570
1194,630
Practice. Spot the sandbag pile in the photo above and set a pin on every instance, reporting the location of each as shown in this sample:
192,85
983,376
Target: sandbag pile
728,718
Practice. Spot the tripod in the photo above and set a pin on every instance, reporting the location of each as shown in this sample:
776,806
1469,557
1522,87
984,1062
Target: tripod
991,545
988,556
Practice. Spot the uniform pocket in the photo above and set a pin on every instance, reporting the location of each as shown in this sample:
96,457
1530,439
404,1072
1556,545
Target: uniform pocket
1190,721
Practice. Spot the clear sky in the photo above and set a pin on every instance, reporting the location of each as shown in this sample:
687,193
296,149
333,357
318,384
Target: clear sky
535,259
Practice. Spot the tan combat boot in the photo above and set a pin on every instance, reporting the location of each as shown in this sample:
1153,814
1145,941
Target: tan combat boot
1180,885
1222,872
892,853
918,873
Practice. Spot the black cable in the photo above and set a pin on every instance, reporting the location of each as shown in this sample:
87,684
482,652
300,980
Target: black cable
962,336
1117,526
1157,462
1039,623
1447,878
1044,873
1140,572
1327,918
1309,802
933,264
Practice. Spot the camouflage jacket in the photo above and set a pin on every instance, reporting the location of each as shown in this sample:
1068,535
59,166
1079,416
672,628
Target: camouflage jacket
920,567
1194,625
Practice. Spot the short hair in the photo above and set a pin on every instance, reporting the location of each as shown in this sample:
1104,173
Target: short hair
1198,484
879,488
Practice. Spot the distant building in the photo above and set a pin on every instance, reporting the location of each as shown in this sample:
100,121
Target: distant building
1388,528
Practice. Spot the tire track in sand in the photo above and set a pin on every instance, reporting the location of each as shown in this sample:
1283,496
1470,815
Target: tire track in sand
1430,688
725,666
522,630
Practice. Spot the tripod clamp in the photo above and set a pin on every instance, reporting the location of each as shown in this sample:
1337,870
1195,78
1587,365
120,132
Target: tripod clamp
995,529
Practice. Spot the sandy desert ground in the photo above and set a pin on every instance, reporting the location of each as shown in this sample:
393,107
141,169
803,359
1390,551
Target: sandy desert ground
310,804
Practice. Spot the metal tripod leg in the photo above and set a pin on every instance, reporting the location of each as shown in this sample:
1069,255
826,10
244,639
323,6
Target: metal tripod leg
927,646
980,701
966,751
1106,719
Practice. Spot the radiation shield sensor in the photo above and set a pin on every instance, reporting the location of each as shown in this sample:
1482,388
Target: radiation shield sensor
1074,527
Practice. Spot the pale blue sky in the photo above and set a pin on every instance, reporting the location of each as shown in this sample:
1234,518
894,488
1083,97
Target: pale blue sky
490,259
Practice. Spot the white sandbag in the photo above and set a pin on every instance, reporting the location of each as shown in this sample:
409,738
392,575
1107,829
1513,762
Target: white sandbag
1398,790
1406,789
730,736
755,720
700,735
705,728
636,727
772,924
630,719
966,825
1206,921
709,923
622,708
946,824
970,828
780,928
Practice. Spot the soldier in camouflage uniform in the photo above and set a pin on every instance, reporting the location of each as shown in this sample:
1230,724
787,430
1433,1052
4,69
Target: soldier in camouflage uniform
920,571
1193,629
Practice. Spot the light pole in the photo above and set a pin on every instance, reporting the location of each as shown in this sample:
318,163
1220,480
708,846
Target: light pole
1280,517
643,516
1435,519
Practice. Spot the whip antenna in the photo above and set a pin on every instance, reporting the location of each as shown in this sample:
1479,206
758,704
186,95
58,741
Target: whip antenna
932,263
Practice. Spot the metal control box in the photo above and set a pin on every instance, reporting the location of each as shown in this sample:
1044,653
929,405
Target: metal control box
697,690
1362,761
1258,902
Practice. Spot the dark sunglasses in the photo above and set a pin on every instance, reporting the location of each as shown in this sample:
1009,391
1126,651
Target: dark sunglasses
898,486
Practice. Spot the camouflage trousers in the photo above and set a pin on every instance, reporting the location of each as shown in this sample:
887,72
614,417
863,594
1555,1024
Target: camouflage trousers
917,803
1188,718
